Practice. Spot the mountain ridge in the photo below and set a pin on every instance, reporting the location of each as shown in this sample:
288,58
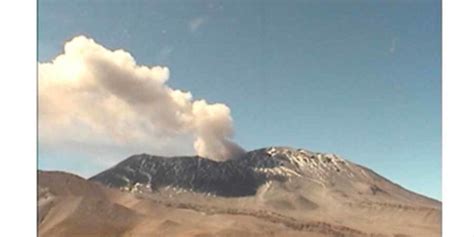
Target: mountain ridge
243,176
273,191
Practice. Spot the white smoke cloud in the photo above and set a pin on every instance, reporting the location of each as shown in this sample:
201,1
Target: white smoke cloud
93,95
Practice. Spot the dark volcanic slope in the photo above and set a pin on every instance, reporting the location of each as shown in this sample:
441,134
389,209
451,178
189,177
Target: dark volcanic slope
243,176
231,178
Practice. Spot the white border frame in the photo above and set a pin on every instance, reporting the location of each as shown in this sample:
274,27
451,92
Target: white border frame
18,118
458,119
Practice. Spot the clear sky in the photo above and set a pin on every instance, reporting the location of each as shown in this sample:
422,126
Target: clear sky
356,78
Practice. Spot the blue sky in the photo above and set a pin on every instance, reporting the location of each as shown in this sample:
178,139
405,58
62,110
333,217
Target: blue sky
359,79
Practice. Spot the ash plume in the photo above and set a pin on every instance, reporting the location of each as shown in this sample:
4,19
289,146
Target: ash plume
91,94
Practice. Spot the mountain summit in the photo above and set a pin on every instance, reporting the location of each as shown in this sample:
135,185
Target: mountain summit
245,175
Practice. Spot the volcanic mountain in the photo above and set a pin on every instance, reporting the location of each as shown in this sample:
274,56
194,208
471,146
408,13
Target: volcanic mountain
276,191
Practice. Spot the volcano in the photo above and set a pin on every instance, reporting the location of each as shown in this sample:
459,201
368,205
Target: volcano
274,191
